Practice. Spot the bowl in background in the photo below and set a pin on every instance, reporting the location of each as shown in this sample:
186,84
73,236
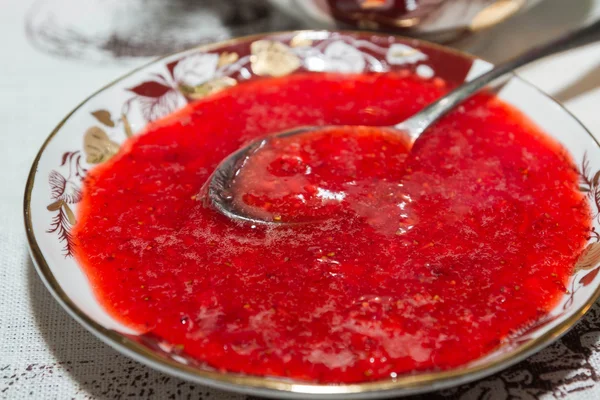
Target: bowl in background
442,21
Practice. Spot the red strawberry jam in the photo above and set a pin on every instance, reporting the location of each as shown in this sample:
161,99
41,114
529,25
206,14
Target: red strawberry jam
417,260
341,171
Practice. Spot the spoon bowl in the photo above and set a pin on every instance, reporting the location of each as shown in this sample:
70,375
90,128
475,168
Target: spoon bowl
219,188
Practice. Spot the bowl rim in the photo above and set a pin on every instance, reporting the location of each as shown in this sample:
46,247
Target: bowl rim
266,385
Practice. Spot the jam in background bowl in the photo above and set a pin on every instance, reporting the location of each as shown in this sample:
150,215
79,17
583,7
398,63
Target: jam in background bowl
93,133
438,20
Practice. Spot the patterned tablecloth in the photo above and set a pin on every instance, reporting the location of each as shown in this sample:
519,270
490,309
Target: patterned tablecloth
55,52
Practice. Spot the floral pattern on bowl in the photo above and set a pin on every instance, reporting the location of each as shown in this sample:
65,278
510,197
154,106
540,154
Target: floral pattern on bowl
95,131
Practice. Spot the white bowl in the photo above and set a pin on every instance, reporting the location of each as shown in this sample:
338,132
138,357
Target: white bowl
105,119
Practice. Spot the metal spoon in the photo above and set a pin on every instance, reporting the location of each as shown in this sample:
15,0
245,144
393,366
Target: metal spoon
219,184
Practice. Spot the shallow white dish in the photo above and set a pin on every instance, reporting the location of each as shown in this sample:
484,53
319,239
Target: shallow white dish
93,132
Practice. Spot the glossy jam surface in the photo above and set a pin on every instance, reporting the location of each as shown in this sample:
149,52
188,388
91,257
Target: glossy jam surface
413,261
351,171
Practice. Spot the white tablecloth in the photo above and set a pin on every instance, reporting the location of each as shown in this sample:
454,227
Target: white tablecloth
44,354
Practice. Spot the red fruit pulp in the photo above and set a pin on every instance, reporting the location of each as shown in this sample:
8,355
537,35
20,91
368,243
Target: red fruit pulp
415,261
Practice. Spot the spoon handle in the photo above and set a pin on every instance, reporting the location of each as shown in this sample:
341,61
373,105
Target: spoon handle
419,122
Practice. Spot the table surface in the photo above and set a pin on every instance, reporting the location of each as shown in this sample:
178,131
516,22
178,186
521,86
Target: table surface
56,52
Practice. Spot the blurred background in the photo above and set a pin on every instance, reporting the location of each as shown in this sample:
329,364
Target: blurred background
125,33
100,30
